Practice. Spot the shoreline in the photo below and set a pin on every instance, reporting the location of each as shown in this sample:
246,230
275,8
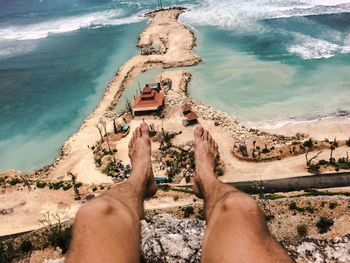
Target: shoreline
87,133
319,129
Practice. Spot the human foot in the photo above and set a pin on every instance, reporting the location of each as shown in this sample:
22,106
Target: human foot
140,156
206,155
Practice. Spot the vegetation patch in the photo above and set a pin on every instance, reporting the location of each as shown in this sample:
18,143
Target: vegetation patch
324,224
302,230
188,211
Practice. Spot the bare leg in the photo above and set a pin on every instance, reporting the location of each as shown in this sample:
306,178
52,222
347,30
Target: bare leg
107,229
236,230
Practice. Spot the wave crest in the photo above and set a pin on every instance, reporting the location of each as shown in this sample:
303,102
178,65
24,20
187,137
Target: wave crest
67,24
241,13
245,17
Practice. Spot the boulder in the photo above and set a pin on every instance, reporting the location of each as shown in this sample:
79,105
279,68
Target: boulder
168,239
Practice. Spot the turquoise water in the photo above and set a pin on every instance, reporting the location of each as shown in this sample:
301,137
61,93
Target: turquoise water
265,61
48,94
259,86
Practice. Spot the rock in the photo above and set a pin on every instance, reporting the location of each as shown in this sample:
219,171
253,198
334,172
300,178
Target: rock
168,239
187,148
331,250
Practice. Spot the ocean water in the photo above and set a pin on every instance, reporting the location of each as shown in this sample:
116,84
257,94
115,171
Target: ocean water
265,61
272,61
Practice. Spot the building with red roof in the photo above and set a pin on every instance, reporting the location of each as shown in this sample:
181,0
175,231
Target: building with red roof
149,100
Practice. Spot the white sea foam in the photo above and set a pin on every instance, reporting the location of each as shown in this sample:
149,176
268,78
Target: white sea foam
241,13
245,17
10,51
312,48
272,125
67,24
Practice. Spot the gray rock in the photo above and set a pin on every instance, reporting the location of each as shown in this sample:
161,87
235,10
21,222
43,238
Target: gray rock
168,239
331,250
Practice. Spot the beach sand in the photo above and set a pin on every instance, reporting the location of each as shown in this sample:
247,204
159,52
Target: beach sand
330,128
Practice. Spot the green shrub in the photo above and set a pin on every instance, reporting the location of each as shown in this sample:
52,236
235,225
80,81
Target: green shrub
110,170
98,161
324,224
15,181
188,211
152,133
323,162
200,214
2,180
26,246
7,251
348,142
269,217
273,196
302,230
67,186
56,185
333,205
265,151
164,187
60,237
293,206
313,168
342,165
309,143
41,184
310,209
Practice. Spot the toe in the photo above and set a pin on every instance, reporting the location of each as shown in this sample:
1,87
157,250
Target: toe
137,133
144,130
206,135
212,143
210,139
198,133
216,147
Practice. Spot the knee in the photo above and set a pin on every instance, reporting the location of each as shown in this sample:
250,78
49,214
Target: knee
238,202
102,208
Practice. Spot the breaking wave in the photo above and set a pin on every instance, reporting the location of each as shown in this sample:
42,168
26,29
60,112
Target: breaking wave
67,24
247,18
312,48
241,13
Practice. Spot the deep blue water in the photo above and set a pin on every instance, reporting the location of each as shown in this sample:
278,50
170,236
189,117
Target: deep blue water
264,61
